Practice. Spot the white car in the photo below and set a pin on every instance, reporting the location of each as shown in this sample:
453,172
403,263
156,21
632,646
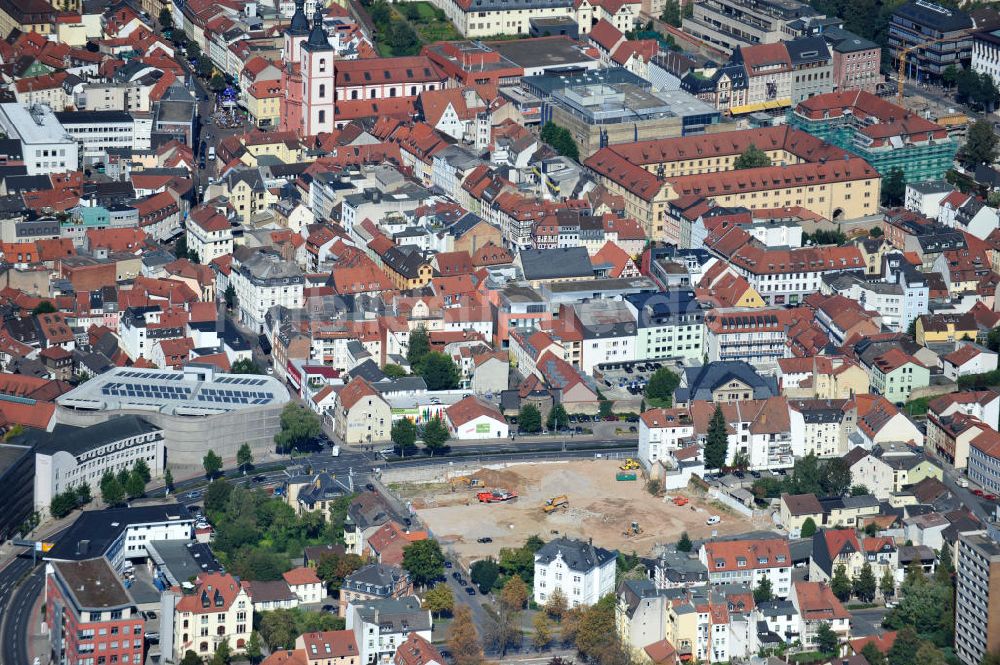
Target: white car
963,482
714,519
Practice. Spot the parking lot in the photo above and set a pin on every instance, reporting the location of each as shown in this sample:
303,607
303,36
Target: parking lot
631,377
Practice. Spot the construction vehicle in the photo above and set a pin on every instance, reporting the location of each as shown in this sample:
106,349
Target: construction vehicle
555,503
629,465
902,61
681,501
496,496
464,482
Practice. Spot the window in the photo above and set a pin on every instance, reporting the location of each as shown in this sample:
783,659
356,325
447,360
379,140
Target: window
322,117
322,90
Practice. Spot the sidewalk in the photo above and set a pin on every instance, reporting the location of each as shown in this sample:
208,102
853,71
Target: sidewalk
39,645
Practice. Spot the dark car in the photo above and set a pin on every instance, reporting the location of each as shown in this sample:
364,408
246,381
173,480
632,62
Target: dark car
447,564
456,575
633,429
484,539
470,590
330,608
258,479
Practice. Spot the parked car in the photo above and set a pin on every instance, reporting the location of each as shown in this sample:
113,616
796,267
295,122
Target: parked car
714,519
456,575
470,590
447,564
485,539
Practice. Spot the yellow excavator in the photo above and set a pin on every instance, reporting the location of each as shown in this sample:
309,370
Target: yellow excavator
555,503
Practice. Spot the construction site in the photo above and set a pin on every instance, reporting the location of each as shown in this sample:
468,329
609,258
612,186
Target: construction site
605,500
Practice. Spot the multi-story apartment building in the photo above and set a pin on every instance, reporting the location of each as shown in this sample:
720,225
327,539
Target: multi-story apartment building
582,572
217,610
380,626
816,606
748,561
942,33
92,618
263,279
209,234
984,461
757,336
728,24
977,594
141,329
46,147
669,324
856,61
662,431
821,426
758,429
885,135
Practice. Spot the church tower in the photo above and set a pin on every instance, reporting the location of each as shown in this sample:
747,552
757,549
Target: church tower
317,80
291,75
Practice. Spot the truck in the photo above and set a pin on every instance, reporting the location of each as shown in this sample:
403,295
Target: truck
625,475
495,496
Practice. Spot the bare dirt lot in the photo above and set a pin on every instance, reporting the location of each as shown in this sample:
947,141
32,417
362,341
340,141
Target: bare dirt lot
599,507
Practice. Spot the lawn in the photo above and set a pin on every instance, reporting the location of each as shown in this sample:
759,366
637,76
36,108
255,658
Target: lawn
429,22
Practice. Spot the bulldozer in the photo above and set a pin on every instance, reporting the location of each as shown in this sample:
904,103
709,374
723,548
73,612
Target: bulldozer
629,465
555,503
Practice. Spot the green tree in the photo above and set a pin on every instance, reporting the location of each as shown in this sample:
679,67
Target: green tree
212,464
333,569
244,457
392,370
684,544
752,158
245,366
864,584
83,495
561,140
463,639
435,435
558,418
439,371
142,469
193,51
826,640
204,68
191,658
439,599
217,496
230,296
661,387
873,655
904,649
859,490
299,426
112,492
894,188
217,83
672,13
255,651
876,232
841,585
717,441
949,76
134,486
484,574
763,592
529,419
419,346
887,585
277,628
991,658
835,478
44,307
928,654
166,18
980,144
824,237
424,561
404,435
518,561
63,504
222,655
